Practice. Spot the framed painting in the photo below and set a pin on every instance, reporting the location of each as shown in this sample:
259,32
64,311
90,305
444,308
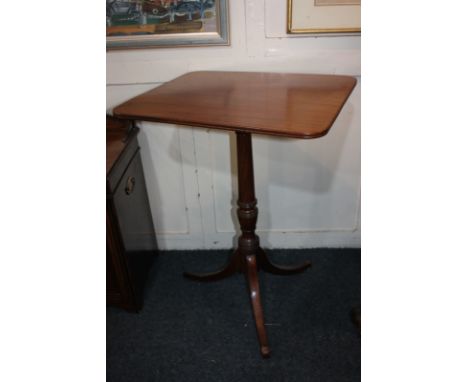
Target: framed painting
166,23
324,16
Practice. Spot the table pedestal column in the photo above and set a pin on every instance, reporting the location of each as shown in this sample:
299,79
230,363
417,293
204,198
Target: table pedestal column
249,256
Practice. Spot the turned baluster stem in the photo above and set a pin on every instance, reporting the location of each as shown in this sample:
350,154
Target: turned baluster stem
247,211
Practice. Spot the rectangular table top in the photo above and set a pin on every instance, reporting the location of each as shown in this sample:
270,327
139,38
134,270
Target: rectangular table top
290,105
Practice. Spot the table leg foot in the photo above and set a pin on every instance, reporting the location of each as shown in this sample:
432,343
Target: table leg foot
268,266
229,269
265,351
252,279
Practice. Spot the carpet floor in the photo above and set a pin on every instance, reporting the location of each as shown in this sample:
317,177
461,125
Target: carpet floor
192,331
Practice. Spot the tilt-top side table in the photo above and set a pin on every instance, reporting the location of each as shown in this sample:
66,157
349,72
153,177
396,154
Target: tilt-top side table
288,105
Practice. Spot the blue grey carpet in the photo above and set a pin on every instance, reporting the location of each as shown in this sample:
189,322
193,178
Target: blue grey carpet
192,331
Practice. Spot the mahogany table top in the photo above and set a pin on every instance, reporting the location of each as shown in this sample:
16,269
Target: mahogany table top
290,105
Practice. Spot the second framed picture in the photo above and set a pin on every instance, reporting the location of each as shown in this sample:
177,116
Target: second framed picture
324,16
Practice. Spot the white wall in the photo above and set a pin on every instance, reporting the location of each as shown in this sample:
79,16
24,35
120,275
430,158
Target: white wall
308,190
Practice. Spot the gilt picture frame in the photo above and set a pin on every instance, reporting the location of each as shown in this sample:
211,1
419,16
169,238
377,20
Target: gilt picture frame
147,24
324,16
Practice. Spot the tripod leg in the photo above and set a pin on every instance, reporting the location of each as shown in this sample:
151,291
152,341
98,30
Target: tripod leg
252,279
268,266
232,266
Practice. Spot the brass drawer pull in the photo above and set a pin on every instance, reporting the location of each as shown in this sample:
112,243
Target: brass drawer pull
130,185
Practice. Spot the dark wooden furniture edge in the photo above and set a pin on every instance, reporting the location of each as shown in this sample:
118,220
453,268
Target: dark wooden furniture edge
129,292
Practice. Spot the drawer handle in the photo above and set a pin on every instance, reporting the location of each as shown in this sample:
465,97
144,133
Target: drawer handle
130,185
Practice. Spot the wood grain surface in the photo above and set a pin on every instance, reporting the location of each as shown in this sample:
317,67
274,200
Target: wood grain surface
290,105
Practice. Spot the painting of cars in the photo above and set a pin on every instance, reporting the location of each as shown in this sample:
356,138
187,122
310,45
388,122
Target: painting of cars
143,20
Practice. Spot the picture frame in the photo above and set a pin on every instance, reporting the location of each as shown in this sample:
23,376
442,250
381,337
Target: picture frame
145,24
324,16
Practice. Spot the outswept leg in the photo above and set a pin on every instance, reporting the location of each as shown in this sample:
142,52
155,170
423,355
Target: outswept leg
252,280
233,265
266,265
